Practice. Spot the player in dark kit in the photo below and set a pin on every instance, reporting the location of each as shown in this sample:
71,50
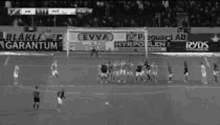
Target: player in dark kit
148,68
186,71
60,98
139,73
36,98
215,72
110,71
170,74
94,51
103,69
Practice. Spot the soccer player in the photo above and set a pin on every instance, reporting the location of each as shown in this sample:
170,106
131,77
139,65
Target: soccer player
94,51
36,95
60,98
170,73
16,73
204,74
103,72
117,68
110,71
129,68
148,70
186,72
54,69
215,72
139,73
154,72
123,71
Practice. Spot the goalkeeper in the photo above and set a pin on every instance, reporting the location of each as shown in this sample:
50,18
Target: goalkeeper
94,51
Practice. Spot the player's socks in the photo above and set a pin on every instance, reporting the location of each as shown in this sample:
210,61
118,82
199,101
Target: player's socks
216,79
38,106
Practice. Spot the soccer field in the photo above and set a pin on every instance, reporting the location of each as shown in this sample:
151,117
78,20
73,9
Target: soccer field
87,99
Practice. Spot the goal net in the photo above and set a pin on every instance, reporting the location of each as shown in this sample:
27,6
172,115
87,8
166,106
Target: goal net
121,40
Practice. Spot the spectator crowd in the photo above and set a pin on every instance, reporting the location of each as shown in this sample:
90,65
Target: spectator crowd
130,13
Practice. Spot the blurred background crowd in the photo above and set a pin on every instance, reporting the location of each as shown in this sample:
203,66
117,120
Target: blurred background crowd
122,13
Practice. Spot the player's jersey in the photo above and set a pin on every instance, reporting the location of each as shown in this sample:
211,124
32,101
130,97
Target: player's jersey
203,70
148,67
169,69
36,94
61,94
54,66
215,67
117,67
139,68
16,71
110,68
128,67
154,69
104,68
185,68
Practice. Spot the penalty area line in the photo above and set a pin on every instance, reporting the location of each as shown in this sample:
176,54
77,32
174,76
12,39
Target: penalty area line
6,61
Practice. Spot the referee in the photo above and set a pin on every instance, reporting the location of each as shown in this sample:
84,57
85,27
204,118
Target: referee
36,95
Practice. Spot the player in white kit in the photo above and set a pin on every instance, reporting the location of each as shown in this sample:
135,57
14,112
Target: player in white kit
103,72
170,74
15,75
215,72
154,72
60,99
139,73
186,72
204,74
54,69
123,71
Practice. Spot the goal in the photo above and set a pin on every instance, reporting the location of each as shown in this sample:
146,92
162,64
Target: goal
120,40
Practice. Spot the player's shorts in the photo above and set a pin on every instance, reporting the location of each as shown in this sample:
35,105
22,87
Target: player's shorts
117,73
140,73
215,72
154,73
204,74
55,72
123,72
36,99
103,75
130,73
60,101
148,72
170,75
109,71
15,75
186,73
204,80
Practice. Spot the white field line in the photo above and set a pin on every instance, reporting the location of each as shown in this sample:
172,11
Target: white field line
6,61
92,93
125,93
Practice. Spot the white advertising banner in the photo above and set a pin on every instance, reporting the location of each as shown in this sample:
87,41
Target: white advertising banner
106,38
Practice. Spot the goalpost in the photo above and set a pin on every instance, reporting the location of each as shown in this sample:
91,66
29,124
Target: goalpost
108,36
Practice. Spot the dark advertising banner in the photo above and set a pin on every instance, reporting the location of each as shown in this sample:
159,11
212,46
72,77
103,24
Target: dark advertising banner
129,45
204,37
31,46
194,46
140,46
157,46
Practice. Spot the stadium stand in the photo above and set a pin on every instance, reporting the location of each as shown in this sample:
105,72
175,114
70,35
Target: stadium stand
135,13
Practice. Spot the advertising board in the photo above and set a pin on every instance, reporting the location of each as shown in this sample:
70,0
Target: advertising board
30,46
106,38
154,34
